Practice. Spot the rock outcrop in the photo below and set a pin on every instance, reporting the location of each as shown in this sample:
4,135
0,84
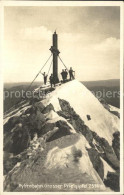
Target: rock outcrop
74,119
116,143
109,108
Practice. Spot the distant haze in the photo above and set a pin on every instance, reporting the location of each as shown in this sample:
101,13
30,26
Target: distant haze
88,41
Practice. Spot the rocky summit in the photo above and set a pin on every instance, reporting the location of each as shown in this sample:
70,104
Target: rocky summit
67,142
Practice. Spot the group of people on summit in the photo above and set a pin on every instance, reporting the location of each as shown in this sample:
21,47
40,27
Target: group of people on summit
64,75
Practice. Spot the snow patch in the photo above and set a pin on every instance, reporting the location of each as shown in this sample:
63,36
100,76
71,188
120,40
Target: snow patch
15,168
17,112
85,103
65,157
53,117
113,108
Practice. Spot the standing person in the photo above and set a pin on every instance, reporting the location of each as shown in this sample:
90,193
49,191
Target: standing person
63,75
45,78
51,80
66,74
54,81
71,73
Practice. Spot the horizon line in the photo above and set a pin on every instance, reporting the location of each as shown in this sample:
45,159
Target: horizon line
79,80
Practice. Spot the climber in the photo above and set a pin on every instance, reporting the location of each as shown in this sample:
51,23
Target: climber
52,82
45,78
63,75
51,79
71,73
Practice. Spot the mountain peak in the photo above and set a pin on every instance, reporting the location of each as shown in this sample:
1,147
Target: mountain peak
69,137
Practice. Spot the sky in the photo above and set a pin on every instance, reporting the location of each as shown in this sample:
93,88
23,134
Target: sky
88,39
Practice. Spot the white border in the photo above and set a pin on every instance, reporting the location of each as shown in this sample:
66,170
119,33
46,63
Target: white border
61,3
68,3
121,100
1,95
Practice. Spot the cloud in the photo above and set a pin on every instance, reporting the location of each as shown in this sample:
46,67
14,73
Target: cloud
87,40
90,59
35,33
43,34
109,44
